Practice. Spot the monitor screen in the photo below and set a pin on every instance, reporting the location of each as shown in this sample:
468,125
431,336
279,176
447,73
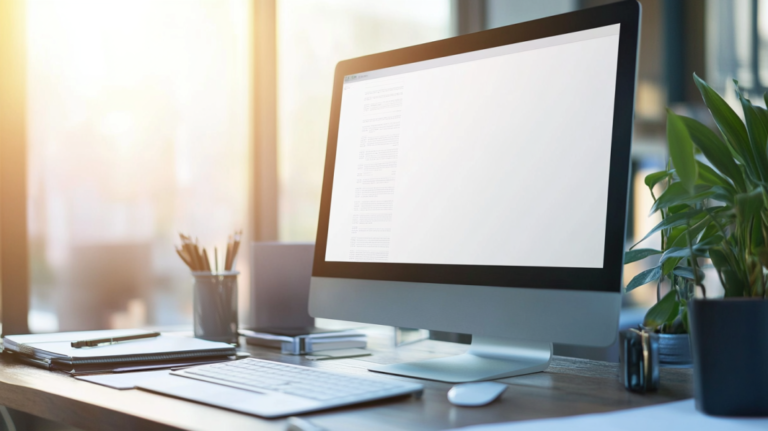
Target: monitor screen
493,157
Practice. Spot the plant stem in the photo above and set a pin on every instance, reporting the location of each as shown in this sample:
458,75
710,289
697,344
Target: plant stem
694,262
663,240
714,220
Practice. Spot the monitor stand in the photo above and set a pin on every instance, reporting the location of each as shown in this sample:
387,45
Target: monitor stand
487,359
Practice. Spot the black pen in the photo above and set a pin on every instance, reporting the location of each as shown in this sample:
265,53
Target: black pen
107,341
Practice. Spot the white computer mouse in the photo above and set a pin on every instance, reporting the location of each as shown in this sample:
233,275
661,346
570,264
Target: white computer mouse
475,394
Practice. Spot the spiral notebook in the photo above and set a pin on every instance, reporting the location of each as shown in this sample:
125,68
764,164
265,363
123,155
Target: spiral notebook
54,351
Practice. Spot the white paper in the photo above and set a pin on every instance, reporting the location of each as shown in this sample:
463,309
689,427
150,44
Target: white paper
679,415
123,380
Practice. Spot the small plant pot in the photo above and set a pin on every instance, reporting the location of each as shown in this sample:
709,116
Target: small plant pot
730,356
675,350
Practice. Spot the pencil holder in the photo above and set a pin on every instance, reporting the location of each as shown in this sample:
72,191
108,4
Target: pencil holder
215,306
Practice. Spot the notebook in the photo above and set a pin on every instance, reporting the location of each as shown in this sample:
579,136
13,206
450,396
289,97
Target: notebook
55,351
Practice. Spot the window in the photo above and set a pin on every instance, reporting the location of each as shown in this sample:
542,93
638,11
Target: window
737,44
138,119
312,37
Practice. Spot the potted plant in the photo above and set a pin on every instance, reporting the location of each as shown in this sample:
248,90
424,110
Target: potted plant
687,232
717,210
668,317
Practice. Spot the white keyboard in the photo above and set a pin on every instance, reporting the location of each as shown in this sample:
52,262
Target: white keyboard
319,389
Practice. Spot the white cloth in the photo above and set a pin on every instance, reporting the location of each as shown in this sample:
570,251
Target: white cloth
679,415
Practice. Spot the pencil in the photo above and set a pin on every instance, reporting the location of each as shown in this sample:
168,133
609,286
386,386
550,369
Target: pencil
235,247
190,255
186,252
198,258
229,255
206,262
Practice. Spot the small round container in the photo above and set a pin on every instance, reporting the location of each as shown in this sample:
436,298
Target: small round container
675,350
215,306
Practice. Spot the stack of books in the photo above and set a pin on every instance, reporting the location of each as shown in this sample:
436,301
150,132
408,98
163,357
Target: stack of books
305,340
89,352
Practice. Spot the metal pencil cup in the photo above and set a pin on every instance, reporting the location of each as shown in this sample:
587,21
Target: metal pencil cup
215,303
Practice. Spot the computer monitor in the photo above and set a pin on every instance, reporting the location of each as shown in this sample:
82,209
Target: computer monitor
478,185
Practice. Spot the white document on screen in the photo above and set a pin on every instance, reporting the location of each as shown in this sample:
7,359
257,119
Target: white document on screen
484,158
679,415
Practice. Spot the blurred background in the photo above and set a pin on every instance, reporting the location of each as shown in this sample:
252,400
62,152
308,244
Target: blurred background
145,118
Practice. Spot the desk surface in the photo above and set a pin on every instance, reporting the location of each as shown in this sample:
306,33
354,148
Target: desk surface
569,387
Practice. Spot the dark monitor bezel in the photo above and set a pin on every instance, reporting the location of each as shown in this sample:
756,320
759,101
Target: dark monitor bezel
606,279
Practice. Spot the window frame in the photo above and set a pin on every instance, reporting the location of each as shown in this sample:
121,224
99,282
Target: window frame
14,259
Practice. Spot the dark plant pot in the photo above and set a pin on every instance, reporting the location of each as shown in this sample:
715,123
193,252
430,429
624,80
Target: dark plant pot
675,349
730,356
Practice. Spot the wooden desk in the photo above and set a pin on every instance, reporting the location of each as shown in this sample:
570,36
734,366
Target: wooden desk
569,387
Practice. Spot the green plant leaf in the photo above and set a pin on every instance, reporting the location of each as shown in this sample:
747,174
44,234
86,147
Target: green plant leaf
727,121
757,241
709,232
644,278
639,254
715,150
718,258
674,209
680,252
671,221
706,244
674,327
722,194
681,151
762,254
677,194
697,227
762,114
657,177
687,272
673,234
663,311
707,175
724,215
699,249
757,136
669,265
673,195
749,204
734,284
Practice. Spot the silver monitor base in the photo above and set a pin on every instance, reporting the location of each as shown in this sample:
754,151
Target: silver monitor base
487,359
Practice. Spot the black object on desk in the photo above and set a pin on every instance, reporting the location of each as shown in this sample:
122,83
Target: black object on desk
112,340
639,360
